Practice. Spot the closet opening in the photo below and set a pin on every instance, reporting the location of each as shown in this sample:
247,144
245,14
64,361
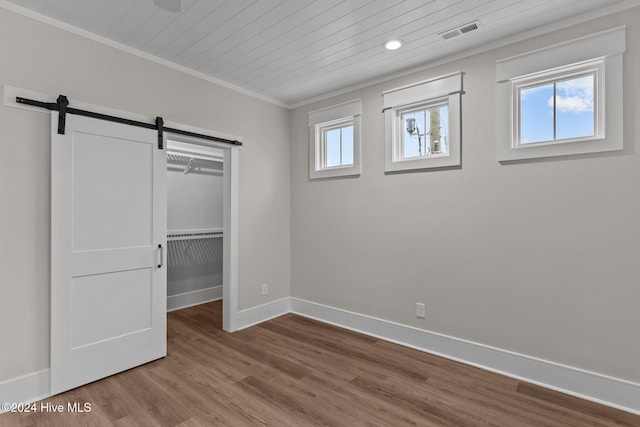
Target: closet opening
200,197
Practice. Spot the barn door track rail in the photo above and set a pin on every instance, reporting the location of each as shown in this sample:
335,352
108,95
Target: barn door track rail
62,107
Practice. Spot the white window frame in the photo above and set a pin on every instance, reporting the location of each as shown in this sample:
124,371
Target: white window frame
336,116
443,90
599,55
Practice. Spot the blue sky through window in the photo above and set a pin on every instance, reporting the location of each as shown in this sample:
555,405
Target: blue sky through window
574,108
347,145
339,146
536,115
574,113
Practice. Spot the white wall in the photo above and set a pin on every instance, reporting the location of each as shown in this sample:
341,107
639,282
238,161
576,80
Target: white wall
538,257
43,58
194,200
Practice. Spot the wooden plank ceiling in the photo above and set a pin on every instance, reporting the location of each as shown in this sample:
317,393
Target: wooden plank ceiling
292,51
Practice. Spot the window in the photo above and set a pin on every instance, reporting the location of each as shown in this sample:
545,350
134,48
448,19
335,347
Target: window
422,124
559,106
552,101
336,144
334,135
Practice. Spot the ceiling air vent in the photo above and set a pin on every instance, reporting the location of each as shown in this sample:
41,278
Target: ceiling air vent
460,30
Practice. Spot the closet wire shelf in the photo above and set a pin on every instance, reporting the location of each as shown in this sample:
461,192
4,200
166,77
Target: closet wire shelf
192,248
183,235
185,156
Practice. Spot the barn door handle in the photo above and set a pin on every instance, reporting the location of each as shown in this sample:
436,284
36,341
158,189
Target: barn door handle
161,256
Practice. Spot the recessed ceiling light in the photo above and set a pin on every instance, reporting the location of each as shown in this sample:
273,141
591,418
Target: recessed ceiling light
393,44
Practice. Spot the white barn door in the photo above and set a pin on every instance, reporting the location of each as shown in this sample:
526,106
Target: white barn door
108,278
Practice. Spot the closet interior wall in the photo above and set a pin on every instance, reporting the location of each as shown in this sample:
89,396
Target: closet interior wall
194,226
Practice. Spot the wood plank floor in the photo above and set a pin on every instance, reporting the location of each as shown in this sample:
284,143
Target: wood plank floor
293,371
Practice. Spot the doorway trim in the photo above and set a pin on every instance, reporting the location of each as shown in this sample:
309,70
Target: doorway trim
230,181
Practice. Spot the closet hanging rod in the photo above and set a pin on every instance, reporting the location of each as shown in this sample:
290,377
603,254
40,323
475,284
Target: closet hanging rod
62,106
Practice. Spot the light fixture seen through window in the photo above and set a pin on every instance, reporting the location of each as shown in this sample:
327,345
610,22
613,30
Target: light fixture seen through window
393,44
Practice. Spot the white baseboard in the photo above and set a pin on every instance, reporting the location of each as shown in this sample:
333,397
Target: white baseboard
25,389
615,392
262,313
188,299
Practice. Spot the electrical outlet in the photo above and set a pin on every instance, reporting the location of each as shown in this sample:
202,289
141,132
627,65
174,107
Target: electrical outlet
265,289
421,310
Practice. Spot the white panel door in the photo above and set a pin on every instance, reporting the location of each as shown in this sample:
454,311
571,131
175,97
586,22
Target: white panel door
108,279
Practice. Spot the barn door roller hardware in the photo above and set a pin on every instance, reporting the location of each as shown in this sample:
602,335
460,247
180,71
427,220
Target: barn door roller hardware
62,107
